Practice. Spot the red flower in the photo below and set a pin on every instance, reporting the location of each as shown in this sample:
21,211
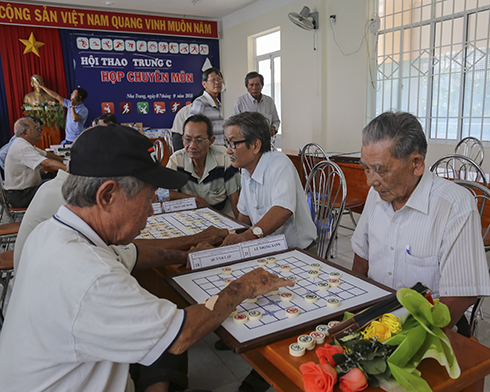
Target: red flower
325,354
353,381
318,378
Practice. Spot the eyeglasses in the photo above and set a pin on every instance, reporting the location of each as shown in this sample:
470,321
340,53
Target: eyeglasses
198,141
232,144
38,128
215,80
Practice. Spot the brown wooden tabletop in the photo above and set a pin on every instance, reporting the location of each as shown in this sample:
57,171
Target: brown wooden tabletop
281,369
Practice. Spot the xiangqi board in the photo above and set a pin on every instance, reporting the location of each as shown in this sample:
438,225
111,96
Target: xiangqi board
182,223
310,296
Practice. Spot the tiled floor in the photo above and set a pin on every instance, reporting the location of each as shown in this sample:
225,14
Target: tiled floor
204,360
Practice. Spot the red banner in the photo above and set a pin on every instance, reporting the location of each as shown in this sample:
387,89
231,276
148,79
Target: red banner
82,19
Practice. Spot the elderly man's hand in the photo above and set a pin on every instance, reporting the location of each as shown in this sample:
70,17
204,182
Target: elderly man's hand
201,203
212,235
232,239
263,282
201,246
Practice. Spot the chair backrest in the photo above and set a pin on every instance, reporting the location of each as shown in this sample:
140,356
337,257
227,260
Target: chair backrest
326,191
159,150
472,148
481,194
459,167
311,154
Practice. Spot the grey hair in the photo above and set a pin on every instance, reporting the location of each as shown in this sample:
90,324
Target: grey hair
403,128
253,126
21,125
80,191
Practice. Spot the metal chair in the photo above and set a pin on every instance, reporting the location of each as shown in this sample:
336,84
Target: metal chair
12,214
167,136
311,154
472,148
459,167
159,150
481,195
326,192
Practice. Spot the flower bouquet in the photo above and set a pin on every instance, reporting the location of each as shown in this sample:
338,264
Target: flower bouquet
387,351
52,114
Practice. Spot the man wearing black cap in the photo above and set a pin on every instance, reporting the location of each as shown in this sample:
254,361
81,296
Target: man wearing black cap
77,318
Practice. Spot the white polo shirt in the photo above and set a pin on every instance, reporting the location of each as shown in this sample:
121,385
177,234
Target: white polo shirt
77,318
22,165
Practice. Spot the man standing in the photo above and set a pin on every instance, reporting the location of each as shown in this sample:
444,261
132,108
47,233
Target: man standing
77,112
77,318
255,101
209,104
213,181
416,226
24,162
272,198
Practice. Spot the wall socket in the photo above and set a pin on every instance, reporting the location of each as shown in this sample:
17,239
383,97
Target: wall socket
374,24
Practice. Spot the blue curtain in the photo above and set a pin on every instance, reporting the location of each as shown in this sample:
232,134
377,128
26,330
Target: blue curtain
68,59
4,115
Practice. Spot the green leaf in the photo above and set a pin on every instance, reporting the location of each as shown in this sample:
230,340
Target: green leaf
376,366
408,381
407,347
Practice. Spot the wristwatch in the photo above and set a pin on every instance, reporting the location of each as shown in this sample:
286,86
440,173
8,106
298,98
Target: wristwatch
257,231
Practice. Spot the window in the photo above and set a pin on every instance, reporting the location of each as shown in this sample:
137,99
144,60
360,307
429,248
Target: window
432,60
268,64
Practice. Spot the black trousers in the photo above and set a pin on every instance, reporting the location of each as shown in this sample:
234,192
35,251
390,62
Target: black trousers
169,367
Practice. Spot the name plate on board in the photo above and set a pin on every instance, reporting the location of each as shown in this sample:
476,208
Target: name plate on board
243,250
179,205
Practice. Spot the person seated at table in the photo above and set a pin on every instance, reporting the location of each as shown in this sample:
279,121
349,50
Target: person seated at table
178,124
209,104
104,119
416,226
77,318
5,148
25,161
213,181
272,198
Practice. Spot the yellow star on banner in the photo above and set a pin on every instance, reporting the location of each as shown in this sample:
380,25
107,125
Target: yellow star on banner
32,45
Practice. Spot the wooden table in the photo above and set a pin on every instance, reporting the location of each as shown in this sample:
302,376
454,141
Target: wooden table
281,370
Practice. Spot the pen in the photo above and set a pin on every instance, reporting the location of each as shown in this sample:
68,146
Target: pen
408,249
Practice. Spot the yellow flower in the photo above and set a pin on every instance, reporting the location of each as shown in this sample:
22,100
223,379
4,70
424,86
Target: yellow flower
387,325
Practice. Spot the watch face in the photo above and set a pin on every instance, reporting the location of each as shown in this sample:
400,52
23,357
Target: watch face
257,231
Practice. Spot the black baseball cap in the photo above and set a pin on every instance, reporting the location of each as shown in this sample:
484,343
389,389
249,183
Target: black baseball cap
117,150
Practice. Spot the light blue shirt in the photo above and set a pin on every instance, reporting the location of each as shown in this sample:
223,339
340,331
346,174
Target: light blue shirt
4,150
74,128
275,182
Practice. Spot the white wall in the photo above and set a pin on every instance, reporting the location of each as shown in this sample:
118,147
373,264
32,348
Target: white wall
303,98
323,91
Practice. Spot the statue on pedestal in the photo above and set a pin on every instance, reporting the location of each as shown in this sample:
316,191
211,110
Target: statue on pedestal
38,95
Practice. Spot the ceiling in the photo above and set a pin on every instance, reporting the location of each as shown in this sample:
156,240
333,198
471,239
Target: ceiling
209,9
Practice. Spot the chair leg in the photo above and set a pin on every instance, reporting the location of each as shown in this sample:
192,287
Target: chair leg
352,217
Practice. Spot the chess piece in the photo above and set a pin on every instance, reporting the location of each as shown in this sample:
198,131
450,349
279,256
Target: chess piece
38,95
